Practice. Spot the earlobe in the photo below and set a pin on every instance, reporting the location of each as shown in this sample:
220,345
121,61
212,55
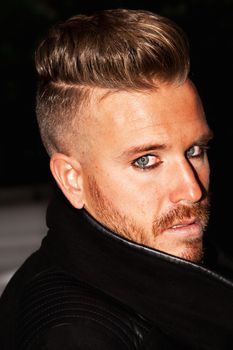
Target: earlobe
68,175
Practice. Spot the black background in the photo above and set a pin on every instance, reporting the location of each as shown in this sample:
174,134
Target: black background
209,25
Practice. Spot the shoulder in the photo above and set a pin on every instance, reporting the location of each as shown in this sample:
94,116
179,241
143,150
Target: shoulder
58,310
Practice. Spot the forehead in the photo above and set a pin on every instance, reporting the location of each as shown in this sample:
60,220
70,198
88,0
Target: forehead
172,115
169,109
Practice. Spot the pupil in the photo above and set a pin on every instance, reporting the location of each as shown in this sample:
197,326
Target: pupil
143,161
190,152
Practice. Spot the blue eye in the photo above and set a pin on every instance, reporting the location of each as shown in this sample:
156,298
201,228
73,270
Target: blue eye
143,161
146,162
196,151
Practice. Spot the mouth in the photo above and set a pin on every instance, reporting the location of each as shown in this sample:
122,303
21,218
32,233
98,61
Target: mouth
184,223
187,228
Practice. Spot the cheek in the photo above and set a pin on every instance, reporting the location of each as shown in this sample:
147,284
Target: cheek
202,171
139,195
140,198
204,176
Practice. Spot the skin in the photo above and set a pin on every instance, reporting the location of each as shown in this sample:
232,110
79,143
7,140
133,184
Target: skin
143,170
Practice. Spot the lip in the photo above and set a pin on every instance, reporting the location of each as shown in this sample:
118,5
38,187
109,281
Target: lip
186,228
184,223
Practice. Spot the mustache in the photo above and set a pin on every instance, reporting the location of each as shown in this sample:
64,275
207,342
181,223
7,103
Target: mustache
199,211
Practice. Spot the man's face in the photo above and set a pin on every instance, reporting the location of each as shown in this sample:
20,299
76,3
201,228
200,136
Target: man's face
146,172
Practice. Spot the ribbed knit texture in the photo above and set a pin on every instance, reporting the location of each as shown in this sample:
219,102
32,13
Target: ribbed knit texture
53,298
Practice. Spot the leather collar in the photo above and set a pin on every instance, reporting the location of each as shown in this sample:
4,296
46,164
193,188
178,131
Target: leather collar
187,301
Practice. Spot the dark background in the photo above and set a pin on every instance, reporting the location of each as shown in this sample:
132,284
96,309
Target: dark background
209,25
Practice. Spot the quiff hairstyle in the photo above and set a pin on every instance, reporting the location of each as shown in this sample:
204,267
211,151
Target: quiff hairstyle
111,49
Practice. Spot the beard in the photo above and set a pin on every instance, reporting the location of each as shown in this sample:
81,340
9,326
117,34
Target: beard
187,248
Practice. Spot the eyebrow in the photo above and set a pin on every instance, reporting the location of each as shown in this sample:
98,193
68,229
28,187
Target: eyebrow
142,148
204,139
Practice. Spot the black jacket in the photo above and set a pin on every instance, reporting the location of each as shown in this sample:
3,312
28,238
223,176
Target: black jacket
87,288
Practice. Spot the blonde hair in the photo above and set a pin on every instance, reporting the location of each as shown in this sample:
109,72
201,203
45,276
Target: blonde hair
111,49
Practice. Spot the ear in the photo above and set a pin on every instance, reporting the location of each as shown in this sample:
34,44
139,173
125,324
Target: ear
68,175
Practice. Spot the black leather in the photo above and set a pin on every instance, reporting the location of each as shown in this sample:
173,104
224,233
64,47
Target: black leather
99,290
56,307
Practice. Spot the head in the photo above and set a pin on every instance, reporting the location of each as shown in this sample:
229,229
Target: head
125,128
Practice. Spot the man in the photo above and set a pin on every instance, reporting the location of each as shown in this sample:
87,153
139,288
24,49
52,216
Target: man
123,264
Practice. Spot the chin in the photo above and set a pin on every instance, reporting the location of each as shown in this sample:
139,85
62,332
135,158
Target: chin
192,254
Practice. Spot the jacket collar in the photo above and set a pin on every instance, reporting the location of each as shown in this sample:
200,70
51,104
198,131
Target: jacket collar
186,300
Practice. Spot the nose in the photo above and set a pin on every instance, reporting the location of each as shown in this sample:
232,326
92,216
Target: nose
186,187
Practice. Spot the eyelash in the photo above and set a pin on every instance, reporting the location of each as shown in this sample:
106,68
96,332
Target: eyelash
145,168
203,149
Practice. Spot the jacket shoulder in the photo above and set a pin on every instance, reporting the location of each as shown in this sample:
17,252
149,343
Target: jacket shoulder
57,311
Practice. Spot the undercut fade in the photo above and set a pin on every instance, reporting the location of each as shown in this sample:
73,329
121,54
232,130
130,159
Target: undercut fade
112,49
